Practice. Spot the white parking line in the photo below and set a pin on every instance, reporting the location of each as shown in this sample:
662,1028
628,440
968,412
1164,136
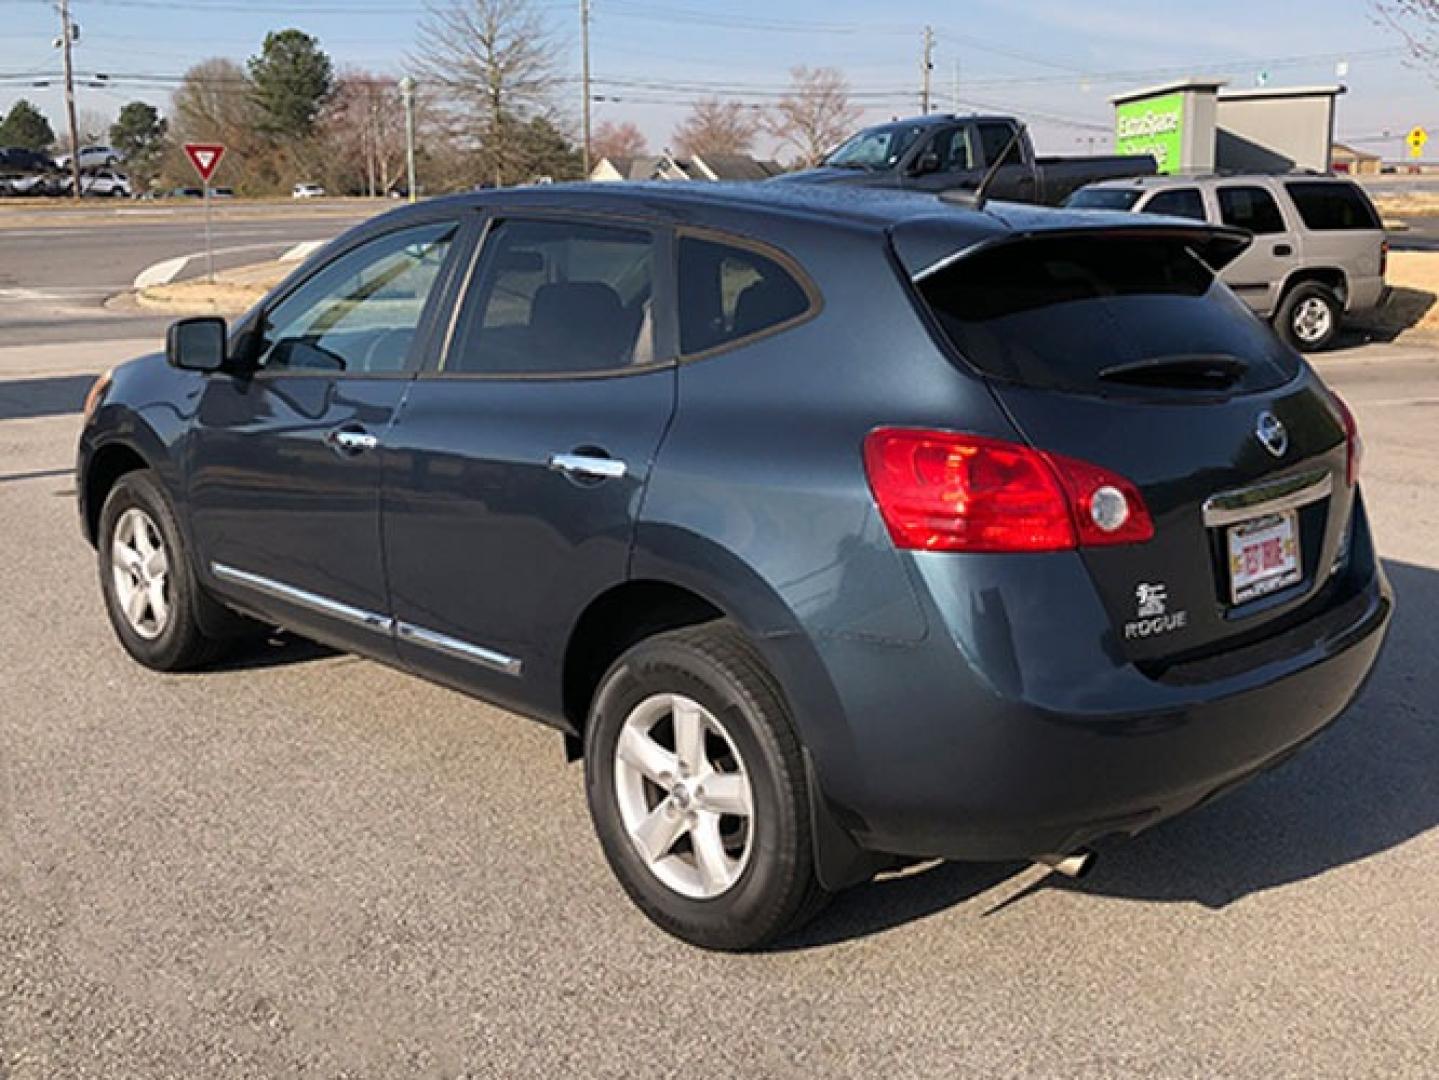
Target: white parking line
301,252
1389,402
162,273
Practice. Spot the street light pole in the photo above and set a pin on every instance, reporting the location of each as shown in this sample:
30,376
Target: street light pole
585,78
407,94
67,41
926,67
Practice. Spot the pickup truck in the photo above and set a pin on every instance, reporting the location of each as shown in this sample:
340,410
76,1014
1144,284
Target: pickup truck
952,153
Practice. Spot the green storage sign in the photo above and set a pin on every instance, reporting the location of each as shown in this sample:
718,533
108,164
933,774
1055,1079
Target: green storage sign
1152,126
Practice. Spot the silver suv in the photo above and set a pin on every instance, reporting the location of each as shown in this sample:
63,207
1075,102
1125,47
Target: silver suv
1319,249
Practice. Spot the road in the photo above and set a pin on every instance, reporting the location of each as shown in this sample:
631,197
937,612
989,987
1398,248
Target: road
308,865
58,269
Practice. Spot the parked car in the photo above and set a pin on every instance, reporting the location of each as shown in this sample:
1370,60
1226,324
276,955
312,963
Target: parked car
187,193
1320,252
92,157
308,191
953,153
18,159
15,183
101,183
831,529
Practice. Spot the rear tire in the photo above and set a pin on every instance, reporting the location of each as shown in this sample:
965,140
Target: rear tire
1309,317
151,594
697,789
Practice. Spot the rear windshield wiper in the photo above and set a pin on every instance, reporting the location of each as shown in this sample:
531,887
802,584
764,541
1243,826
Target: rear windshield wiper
1199,372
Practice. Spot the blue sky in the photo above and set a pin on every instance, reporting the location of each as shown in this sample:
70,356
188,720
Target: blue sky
1055,61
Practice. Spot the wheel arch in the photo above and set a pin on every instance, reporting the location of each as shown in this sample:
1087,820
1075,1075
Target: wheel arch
107,464
1331,277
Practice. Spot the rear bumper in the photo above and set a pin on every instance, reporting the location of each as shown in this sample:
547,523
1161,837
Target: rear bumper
1001,768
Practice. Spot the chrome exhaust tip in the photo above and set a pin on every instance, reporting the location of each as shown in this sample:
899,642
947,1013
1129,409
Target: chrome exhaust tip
1074,865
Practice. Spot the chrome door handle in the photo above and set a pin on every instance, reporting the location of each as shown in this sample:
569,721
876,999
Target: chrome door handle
588,467
352,440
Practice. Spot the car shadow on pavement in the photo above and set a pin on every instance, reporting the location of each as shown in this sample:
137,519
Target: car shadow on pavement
1403,311
1365,786
277,649
25,399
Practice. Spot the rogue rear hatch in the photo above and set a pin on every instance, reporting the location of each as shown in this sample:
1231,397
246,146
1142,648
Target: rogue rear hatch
1119,347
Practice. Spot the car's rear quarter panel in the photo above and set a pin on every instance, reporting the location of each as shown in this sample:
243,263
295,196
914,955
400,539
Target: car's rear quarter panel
759,499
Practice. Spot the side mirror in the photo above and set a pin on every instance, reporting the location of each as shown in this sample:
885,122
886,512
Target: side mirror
928,163
196,344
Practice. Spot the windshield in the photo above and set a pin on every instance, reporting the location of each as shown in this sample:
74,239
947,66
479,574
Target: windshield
1104,199
877,147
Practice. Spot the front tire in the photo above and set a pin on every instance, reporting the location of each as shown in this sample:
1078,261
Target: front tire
151,595
697,789
1309,317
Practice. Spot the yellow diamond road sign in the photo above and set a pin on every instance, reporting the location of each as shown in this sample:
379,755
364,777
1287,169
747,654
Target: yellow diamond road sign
1416,139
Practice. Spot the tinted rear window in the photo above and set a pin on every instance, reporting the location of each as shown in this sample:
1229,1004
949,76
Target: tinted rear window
1329,205
1104,199
1054,313
1182,202
1250,208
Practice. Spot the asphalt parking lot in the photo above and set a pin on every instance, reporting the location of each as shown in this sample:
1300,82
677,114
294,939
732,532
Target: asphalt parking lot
305,864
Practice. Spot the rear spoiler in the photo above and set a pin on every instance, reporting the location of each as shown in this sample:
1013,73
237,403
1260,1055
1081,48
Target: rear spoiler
927,246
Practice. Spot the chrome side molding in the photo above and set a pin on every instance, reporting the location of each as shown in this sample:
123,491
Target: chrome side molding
370,620
462,650
1270,497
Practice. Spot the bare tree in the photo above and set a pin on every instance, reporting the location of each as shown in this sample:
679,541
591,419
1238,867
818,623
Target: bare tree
213,104
612,140
365,116
492,60
94,126
1416,20
717,127
815,114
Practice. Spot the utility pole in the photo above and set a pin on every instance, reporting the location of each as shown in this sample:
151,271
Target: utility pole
68,32
926,68
585,78
407,94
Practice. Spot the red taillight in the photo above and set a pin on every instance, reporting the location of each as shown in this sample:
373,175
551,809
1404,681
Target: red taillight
941,491
1354,442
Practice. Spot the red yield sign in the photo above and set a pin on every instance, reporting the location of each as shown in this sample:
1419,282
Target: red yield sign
206,158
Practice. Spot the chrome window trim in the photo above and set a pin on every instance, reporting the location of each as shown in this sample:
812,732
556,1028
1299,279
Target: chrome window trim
370,620
1271,497
462,650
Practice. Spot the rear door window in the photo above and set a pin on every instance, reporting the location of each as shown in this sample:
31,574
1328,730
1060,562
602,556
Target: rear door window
728,293
1099,198
1056,313
952,148
994,139
1181,202
1329,205
558,298
1251,208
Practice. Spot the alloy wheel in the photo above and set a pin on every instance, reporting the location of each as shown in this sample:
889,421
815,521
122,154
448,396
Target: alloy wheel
140,569
1313,319
684,796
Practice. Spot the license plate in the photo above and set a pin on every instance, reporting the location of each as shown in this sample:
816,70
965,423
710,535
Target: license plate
1263,556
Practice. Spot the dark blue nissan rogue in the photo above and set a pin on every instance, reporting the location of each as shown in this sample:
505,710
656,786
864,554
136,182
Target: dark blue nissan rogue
833,528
